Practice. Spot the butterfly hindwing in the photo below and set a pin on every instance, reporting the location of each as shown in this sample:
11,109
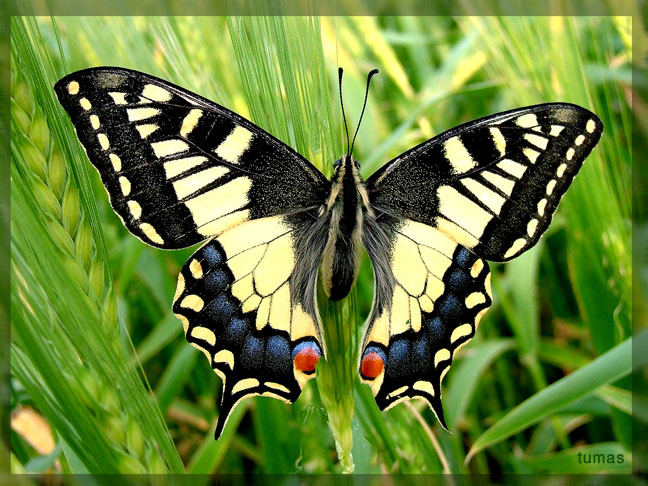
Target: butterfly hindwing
242,302
492,184
428,303
178,167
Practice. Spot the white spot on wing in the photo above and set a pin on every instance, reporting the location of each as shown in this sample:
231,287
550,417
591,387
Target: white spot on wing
146,129
85,104
532,227
196,269
514,168
151,234
515,247
276,386
203,333
125,185
536,140
103,141
94,121
176,167
555,130
398,391
137,114
169,147
225,356
474,299
541,206
527,121
424,386
245,384
498,139
118,98
73,87
570,153
156,93
531,154
190,122
460,332
193,302
457,155
477,268
135,209
550,186
236,143
441,355
116,162
591,126
579,140
190,184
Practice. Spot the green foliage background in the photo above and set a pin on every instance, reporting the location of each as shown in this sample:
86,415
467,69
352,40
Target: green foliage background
97,351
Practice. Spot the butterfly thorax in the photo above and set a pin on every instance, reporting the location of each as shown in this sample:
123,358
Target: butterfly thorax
345,208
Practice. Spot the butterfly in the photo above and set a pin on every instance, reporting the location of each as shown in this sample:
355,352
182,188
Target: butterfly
180,169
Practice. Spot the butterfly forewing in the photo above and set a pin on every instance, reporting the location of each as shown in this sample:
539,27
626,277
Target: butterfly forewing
492,184
180,168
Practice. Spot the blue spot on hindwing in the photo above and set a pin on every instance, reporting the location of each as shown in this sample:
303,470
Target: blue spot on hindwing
457,281
463,257
278,358
399,360
252,353
211,254
221,309
236,331
450,308
435,328
421,354
215,280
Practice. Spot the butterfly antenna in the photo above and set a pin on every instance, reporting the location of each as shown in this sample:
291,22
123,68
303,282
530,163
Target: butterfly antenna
346,128
364,105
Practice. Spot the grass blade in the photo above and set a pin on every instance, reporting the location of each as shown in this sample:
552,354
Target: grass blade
607,368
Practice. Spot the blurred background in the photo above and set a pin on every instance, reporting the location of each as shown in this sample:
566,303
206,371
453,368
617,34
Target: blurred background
103,380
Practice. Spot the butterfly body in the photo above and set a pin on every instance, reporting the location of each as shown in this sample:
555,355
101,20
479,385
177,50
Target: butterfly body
346,209
181,169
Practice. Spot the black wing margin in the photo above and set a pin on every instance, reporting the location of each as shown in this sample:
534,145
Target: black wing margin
492,184
179,168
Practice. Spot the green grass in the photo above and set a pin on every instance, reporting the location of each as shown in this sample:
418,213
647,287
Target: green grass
97,352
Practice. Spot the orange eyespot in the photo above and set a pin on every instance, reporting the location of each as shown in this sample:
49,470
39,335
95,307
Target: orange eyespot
306,359
372,365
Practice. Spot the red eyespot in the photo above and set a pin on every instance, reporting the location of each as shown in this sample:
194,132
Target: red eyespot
372,365
306,359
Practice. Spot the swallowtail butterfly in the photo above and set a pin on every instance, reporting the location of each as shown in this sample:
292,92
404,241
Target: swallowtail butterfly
180,169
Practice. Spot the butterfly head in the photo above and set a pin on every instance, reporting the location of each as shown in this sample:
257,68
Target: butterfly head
345,165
